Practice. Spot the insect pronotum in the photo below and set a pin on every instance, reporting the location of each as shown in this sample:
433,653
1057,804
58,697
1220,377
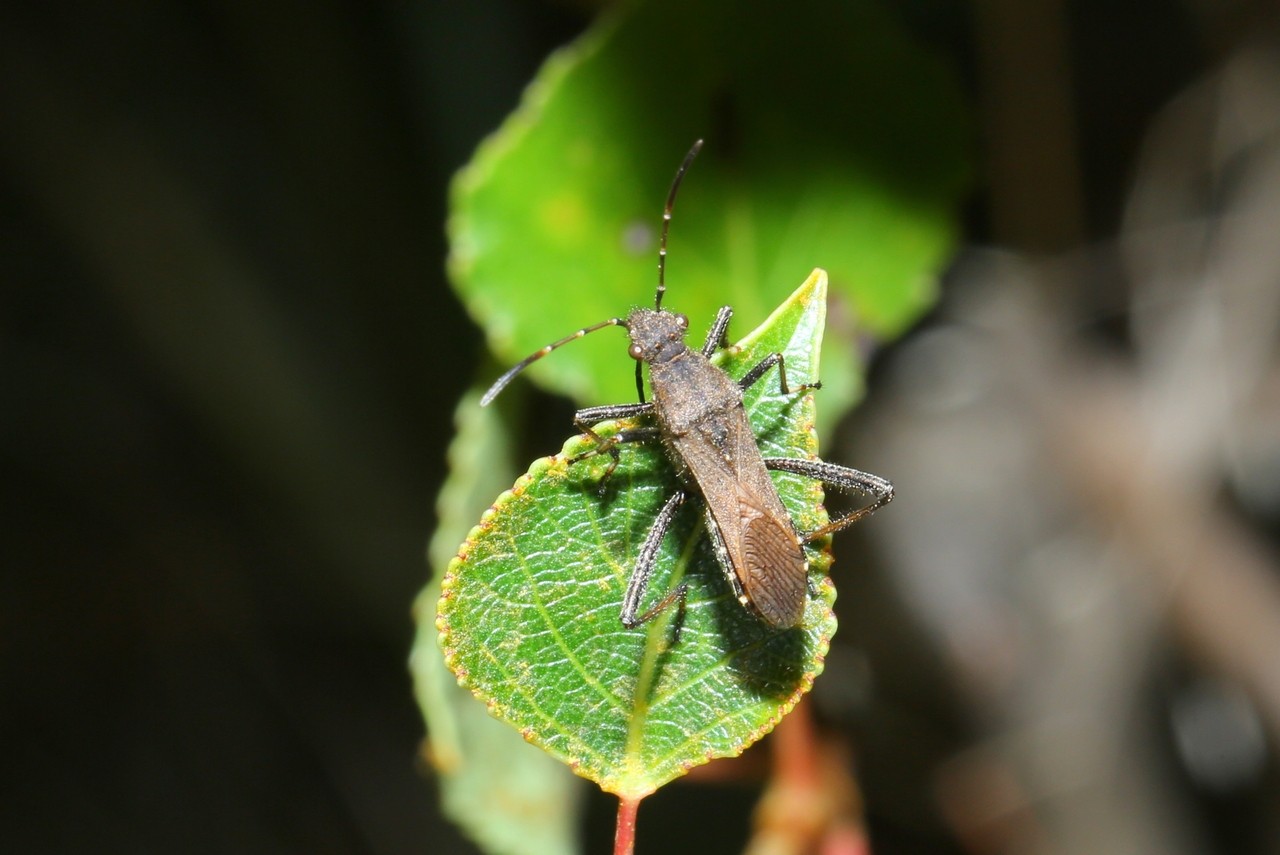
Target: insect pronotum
698,416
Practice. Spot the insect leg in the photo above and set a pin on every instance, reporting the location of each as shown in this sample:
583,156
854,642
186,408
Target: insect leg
718,335
722,556
842,478
639,580
592,415
610,446
585,419
751,377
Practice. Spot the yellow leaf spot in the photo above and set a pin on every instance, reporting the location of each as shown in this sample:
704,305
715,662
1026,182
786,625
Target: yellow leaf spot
564,218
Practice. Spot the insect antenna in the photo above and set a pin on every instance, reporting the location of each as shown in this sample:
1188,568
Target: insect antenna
666,223
501,382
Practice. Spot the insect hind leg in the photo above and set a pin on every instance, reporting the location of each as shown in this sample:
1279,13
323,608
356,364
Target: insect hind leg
842,478
722,558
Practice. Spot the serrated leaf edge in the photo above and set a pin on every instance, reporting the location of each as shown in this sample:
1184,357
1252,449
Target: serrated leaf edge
627,784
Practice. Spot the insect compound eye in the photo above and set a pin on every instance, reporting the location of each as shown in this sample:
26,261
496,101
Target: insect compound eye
682,320
636,351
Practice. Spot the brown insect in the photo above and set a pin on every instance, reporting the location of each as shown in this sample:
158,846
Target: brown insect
700,420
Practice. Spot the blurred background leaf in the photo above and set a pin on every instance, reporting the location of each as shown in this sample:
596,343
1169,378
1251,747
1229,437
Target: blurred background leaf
845,150
509,796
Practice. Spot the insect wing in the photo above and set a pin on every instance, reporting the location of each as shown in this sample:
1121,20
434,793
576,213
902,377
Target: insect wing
759,542
772,570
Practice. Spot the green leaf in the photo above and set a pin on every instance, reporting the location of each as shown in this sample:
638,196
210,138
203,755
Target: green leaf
528,618
831,140
508,796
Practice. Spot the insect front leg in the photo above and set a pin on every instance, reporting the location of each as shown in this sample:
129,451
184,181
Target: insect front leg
645,562
842,478
753,376
585,419
718,335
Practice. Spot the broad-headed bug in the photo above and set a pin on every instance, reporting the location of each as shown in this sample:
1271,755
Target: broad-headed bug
698,416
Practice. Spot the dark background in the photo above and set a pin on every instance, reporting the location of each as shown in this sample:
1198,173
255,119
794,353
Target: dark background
229,363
